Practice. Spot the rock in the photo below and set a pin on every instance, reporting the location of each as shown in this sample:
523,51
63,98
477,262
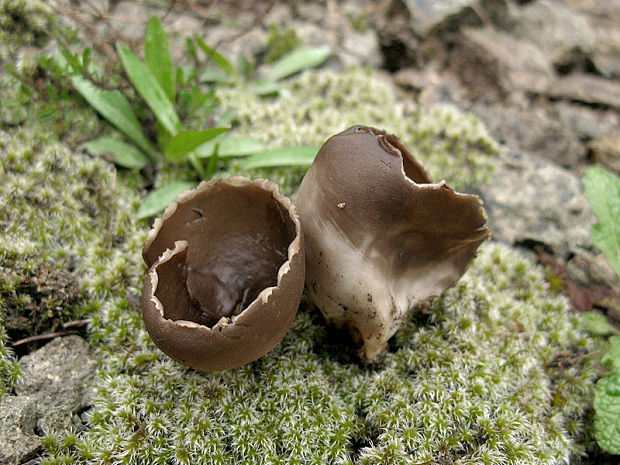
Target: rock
531,201
587,88
18,430
428,16
559,30
56,386
606,151
360,49
536,130
493,63
604,18
431,87
585,122
60,375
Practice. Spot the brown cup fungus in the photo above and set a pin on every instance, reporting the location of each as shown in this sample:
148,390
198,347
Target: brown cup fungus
226,273
381,238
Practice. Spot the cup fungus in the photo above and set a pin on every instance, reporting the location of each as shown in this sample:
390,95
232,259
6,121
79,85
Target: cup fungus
226,273
381,238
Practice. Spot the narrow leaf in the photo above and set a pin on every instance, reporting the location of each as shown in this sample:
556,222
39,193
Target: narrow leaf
287,156
213,75
216,57
114,107
298,60
186,141
602,189
159,199
150,90
158,57
124,154
231,146
263,87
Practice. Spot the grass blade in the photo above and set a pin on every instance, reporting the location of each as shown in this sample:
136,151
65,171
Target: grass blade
124,154
217,58
115,108
158,57
213,75
231,146
287,156
186,141
298,60
149,89
264,88
159,199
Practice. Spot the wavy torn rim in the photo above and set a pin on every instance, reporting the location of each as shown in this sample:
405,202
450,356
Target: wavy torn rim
392,144
180,245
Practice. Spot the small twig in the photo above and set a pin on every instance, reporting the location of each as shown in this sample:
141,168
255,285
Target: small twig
42,337
170,8
75,324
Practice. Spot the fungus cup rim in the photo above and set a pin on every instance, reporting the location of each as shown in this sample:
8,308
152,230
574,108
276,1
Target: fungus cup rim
180,245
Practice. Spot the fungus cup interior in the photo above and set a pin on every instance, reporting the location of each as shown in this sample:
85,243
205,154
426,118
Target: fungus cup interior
411,167
237,239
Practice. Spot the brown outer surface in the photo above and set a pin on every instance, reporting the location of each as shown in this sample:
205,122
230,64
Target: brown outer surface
233,341
378,243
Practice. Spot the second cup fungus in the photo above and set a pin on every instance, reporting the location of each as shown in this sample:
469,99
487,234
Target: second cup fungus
226,273
381,237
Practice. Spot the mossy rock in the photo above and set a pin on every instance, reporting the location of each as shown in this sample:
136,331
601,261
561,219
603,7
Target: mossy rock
493,372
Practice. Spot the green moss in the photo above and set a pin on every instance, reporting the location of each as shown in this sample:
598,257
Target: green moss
490,374
280,42
453,145
61,220
493,372
23,22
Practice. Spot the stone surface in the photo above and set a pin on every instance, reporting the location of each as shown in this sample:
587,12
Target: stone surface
59,375
429,16
586,123
606,151
531,201
491,61
587,88
20,439
555,27
57,385
536,130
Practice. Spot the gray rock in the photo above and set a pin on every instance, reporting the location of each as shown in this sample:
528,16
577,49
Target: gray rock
533,201
606,151
535,130
604,18
493,63
558,29
586,123
18,430
428,16
431,87
587,88
360,49
57,384
60,375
